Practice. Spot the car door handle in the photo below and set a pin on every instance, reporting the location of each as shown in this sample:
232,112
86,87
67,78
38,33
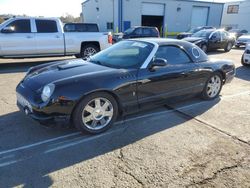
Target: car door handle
57,36
29,37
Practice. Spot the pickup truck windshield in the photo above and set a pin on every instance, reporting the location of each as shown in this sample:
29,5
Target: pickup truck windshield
125,54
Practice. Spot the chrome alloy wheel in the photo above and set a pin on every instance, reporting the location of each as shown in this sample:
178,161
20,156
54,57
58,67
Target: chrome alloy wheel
97,113
89,51
214,86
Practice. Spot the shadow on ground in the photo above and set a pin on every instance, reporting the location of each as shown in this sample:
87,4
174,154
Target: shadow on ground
35,165
243,73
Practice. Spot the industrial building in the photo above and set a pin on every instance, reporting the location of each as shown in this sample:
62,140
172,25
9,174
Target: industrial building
236,15
167,15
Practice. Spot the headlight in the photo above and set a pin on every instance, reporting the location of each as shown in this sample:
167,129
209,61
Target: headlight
47,92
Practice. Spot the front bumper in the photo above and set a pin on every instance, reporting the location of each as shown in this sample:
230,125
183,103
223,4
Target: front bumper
239,43
42,118
246,58
44,114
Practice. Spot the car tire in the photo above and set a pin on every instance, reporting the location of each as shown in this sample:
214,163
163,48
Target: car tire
228,47
243,62
89,50
95,117
204,48
212,87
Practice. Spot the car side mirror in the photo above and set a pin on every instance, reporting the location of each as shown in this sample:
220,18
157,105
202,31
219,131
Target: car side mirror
8,30
158,62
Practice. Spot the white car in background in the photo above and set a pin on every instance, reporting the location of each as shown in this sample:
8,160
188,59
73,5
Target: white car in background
242,41
245,60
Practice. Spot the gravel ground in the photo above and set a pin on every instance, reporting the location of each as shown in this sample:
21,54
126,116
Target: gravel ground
193,143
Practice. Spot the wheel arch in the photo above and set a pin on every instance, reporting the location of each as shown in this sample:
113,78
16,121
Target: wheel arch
96,43
223,75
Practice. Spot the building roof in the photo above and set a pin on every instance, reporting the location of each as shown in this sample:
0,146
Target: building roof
199,1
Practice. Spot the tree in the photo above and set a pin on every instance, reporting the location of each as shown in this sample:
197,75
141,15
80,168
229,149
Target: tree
1,20
67,18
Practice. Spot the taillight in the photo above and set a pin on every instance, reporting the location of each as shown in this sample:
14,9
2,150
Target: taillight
110,39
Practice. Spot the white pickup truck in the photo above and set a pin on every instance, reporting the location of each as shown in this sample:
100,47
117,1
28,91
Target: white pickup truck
44,37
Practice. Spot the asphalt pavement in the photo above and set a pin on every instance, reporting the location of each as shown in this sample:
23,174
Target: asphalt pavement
193,143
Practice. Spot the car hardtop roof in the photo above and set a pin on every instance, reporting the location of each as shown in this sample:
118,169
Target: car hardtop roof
164,41
142,27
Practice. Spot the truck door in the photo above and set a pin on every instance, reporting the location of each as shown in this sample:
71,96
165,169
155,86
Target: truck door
49,37
16,39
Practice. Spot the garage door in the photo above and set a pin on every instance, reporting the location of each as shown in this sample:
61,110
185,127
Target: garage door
153,9
199,16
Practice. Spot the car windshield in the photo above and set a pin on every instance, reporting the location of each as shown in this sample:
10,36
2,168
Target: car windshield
125,54
193,30
202,34
128,31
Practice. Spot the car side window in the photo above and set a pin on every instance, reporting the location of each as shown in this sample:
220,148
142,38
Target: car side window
216,35
146,32
92,28
21,26
138,31
154,32
174,55
46,26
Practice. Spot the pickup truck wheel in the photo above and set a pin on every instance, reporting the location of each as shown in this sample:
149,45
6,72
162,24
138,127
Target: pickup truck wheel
89,50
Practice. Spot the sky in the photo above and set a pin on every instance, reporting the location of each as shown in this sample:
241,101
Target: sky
46,8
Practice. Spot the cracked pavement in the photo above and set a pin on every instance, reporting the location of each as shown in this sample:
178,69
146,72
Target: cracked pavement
193,143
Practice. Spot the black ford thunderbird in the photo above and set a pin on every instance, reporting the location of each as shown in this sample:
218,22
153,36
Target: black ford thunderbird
129,76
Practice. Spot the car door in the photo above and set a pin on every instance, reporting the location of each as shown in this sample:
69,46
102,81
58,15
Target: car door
177,79
17,39
49,38
215,40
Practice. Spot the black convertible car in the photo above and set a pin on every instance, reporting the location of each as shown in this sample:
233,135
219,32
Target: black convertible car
129,76
212,39
190,32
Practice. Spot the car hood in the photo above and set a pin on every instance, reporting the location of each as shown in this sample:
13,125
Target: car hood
246,37
40,76
185,33
193,39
